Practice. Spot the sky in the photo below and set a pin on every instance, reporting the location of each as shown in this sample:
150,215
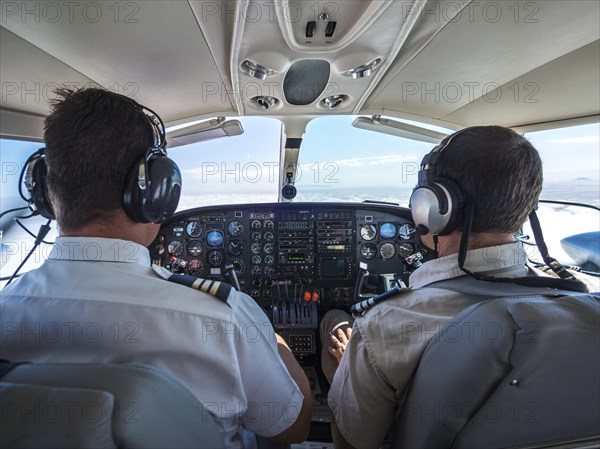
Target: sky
334,156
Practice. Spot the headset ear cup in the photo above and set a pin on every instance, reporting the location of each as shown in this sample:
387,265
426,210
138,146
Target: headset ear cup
437,206
158,201
456,203
37,186
165,189
425,205
132,193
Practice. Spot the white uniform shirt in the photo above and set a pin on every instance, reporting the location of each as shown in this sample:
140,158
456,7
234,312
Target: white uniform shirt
98,300
369,387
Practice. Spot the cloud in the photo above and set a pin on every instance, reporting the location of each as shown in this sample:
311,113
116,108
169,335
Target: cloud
581,139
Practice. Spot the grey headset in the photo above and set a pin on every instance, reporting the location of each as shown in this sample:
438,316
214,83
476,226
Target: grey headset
436,203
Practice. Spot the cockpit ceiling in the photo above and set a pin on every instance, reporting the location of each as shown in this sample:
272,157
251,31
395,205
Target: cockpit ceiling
511,63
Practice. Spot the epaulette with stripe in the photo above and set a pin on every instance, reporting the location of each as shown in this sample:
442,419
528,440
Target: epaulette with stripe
213,288
361,307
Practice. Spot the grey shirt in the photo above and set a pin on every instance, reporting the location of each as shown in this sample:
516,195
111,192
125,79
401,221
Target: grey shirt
369,387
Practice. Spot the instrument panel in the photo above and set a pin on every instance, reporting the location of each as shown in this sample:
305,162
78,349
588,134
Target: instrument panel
295,260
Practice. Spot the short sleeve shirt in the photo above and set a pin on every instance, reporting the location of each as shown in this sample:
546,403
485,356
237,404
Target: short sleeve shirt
369,386
98,300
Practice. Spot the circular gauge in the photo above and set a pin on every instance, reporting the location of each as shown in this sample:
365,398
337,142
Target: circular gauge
387,251
256,236
195,267
368,251
269,248
256,225
159,249
239,266
194,229
256,259
387,230
235,248
406,231
256,271
256,248
405,250
175,248
235,228
269,237
178,265
269,260
214,239
269,271
178,231
269,224
368,232
215,258
194,248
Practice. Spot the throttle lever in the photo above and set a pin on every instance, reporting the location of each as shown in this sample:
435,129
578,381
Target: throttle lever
363,272
230,271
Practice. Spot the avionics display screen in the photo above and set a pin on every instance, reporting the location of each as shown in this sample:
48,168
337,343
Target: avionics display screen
334,268
296,257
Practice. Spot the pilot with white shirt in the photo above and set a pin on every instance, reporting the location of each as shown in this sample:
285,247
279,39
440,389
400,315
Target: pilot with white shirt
105,176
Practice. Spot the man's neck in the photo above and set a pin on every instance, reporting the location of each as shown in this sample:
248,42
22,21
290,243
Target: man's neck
118,226
450,244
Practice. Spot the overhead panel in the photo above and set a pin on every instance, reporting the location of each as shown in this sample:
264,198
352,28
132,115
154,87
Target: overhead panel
274,35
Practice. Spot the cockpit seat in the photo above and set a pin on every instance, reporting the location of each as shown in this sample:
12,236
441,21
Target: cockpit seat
64,405
509,372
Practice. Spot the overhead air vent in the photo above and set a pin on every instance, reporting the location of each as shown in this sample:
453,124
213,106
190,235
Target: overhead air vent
305,81
364,70
256,70
334,101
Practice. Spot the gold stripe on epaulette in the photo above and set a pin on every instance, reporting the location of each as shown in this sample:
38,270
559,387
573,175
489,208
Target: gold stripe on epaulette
197,283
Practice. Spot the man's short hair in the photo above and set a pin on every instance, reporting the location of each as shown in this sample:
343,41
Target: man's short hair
93,136
500,173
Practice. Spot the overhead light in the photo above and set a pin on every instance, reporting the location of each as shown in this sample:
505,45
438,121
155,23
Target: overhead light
255,70
399,129
333,101
208,130
364,70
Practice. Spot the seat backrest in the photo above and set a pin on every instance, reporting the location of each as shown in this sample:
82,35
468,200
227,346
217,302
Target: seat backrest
509,372
95,405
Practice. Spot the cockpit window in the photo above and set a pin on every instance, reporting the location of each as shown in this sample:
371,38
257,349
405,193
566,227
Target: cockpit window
15,242
571,163
341,163
232,170
571,173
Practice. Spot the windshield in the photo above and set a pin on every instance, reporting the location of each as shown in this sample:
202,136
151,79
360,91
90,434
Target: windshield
232,170
341,163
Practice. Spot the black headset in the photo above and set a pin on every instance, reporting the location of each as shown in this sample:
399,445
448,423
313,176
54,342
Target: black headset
436,204
152,185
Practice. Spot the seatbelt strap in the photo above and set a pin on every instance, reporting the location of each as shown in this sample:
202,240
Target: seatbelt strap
470,286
